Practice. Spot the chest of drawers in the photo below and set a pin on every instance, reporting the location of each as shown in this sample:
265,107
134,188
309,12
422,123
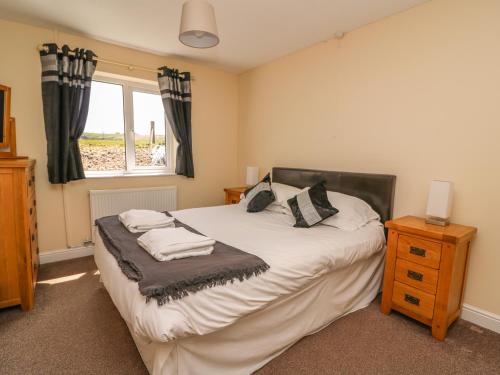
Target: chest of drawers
19,259
425,271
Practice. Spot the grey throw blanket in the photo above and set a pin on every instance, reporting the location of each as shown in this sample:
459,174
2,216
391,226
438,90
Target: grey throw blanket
175,279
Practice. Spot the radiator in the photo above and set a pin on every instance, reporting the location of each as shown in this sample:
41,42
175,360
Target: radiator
112,202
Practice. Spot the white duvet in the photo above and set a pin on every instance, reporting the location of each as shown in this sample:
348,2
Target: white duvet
296,257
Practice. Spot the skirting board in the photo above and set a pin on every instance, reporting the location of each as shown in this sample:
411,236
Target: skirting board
470,313
481,317
65,254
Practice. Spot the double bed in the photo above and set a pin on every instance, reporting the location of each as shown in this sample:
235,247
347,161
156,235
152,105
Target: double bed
316,276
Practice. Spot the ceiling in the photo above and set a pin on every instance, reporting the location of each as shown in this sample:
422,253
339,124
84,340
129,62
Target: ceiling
252,32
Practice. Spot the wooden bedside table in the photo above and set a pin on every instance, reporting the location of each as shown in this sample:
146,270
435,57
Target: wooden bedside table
233,194
425,271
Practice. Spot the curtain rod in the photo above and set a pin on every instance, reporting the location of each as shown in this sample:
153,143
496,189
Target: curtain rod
41,47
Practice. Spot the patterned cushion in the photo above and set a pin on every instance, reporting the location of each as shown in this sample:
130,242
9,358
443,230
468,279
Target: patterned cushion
260,196
312,206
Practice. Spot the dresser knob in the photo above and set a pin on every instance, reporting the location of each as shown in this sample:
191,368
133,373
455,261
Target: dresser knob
31,211
411,299
417,251
415,275
32,237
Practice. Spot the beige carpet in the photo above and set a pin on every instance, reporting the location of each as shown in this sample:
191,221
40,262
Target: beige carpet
75,329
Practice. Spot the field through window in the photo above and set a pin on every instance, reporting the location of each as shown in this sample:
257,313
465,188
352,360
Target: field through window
106,141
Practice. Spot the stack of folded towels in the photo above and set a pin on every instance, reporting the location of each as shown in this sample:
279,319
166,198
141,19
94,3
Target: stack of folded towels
137,221
175,243
163,240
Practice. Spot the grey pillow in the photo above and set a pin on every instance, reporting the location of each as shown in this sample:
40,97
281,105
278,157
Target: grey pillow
259,196
312,206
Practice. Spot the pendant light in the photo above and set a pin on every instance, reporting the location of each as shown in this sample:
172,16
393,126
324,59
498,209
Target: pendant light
198,27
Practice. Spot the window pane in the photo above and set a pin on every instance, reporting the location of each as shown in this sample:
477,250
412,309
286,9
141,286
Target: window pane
102,145
149,130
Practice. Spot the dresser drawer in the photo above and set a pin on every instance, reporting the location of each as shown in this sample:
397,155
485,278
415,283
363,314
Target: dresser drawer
32,207
30,186
417,250
412,299
416,275
33,223
35,258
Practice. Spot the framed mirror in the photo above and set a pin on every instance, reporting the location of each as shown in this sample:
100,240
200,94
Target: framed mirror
4,116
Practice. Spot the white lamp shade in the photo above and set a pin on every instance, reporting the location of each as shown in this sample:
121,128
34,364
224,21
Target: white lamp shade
440,199
252,175
198,27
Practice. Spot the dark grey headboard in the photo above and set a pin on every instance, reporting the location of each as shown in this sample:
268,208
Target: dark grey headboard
375,189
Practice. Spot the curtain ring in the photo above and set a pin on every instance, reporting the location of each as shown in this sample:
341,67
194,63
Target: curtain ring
65,49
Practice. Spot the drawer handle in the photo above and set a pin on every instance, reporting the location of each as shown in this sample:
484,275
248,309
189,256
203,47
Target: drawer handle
417,251
413,300
31,210
415,275
32,237
29,183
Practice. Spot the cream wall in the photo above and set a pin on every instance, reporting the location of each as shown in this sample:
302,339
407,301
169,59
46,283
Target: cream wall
416,95
214,122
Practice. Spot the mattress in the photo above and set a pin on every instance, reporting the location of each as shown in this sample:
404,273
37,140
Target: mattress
345,267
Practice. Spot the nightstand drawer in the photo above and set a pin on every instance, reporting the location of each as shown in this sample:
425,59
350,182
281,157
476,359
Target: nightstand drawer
413,299
420,277
233,194
417,250
233,198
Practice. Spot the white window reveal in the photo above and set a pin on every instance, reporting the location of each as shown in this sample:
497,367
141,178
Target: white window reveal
126,133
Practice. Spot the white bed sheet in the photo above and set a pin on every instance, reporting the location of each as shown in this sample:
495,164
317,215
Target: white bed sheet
297,258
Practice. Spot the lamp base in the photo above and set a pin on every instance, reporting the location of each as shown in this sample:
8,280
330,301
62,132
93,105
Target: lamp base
437,221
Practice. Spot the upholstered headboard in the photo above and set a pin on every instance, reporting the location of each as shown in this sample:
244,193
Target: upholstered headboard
375,189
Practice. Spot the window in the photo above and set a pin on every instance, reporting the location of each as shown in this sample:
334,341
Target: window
126,132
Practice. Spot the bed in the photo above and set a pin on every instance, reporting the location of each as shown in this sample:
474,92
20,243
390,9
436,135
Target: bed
316,276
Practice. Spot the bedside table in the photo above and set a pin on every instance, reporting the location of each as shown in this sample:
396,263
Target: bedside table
233,194
425,271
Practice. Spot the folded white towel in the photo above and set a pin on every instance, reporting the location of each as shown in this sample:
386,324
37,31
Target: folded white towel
137,221
175,243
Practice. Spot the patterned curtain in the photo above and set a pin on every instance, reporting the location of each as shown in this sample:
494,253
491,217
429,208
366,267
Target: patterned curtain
175,91
66,80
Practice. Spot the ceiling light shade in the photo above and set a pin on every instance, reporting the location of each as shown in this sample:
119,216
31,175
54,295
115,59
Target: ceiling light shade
198,27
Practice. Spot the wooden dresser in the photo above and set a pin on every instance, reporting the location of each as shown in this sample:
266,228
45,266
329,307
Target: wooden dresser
425,271
19,258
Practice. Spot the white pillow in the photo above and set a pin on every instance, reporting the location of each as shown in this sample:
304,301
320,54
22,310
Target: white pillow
353,214
282,193
243,201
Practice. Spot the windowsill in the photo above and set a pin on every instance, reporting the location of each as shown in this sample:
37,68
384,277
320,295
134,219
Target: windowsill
119,174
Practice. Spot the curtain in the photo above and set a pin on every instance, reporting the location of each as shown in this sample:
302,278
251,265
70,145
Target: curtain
66,80
175,91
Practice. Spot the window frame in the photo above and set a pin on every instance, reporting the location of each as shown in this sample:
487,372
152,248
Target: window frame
129,86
